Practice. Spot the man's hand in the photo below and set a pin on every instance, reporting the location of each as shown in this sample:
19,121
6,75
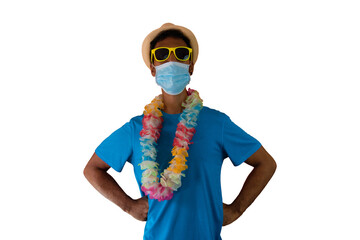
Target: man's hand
230,214
139,208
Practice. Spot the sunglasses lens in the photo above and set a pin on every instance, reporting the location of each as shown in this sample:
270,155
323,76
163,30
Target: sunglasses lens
161,54
182,53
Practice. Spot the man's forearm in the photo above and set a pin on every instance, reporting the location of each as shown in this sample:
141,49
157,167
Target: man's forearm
254,184
108,187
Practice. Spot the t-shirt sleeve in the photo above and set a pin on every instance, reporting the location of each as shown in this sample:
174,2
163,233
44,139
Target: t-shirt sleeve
116,149
237,144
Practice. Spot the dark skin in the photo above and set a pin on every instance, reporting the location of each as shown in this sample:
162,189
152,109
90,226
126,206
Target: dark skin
263,165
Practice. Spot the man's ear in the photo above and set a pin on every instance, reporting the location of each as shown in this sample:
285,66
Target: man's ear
191,68
153,70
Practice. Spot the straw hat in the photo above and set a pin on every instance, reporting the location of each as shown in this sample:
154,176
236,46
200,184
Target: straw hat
167,26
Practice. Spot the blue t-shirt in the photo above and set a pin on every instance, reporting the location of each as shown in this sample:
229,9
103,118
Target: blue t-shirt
196,210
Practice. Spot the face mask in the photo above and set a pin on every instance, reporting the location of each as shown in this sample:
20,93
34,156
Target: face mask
172,77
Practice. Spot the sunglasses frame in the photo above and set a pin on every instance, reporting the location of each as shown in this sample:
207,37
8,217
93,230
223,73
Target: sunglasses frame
171,49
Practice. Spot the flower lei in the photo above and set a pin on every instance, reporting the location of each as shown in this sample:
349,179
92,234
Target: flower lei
152,123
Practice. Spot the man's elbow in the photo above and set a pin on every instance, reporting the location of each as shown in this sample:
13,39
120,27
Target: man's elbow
90,172
274,165
271,165
86,172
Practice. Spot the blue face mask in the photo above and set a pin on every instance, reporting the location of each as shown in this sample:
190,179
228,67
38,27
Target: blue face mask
172,77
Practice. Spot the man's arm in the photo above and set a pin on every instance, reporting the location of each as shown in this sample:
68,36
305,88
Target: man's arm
264,168
96,173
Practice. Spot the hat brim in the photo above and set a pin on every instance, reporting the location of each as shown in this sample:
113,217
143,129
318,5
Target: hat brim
167,26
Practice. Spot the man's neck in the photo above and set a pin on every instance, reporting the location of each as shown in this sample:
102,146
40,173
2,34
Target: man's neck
172,103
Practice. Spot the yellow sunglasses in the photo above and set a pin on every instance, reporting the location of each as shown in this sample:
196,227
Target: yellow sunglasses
161,54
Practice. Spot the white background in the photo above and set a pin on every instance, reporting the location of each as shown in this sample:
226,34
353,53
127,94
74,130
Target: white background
285,71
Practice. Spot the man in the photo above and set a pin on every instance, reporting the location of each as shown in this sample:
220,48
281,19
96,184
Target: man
177,147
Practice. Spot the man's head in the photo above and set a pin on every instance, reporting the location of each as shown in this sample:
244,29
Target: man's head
169,36
170,39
